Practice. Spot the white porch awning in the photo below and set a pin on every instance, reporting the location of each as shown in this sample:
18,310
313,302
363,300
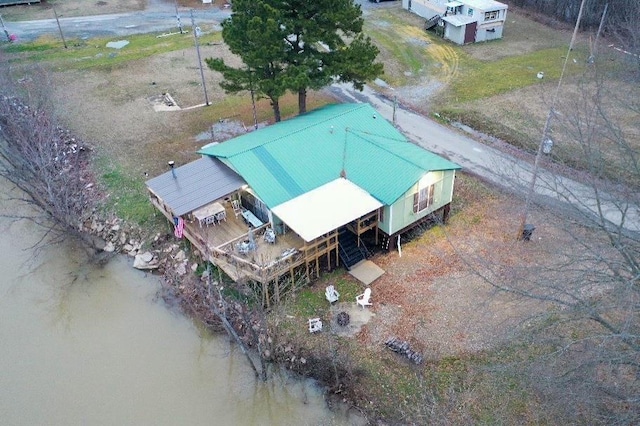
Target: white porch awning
326,208
459,20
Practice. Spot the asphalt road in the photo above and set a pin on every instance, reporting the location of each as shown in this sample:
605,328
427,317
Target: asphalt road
159,18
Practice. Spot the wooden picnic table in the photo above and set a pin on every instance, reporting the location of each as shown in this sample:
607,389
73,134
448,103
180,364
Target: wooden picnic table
208,211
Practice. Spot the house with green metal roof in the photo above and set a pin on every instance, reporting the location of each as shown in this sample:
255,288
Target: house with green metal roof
289,159
304,194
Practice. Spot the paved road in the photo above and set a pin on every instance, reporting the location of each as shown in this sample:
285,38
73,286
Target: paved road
159,18
495,165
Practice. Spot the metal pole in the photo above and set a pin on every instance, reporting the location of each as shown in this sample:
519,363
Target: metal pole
59,28
395,106
178,18
545,131
253,101
595,44
5,29
196,34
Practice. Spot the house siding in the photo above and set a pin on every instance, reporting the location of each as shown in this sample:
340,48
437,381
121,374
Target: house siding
400,214
455,34
423,8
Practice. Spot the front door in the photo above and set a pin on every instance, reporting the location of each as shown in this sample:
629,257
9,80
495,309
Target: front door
470,33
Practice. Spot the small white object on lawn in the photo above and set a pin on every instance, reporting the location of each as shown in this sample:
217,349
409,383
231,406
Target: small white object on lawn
363,299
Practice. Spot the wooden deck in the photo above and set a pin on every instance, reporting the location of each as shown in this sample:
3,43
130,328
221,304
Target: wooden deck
274,265
222,233
218,243
225,235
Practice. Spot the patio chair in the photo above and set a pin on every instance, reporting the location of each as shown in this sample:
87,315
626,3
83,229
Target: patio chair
331,294
221,216
210,220
363,299
270,236
315,325
237,207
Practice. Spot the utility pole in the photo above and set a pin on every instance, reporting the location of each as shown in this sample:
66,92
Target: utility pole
5,29
594,48
253,100
545,131
395,107
196,35
59,28
178,17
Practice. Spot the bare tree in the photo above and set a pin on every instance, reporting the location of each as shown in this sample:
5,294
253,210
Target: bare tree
46,162
589,335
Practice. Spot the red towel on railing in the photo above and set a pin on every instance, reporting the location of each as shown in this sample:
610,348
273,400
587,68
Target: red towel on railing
179,224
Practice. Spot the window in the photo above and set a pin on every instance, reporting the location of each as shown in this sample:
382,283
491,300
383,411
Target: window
470,12
423,198
381,218
488,16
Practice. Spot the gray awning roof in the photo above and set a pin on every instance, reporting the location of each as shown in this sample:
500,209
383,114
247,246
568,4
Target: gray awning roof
196,184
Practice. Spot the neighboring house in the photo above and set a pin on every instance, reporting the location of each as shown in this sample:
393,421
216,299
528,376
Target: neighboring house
326,179
464,21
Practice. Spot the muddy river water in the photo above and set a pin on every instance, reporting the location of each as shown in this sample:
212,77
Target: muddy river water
81,345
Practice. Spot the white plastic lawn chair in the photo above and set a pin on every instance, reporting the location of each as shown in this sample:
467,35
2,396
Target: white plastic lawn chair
363,299
315,325
331,294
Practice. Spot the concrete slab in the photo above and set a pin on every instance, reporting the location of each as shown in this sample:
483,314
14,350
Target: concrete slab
366,271
357,318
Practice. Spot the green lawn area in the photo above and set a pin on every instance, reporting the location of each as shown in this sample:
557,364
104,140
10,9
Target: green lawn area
480,80
410,53
94,53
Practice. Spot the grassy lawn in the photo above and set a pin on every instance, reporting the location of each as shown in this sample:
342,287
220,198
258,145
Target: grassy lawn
410,52
94,53
482,80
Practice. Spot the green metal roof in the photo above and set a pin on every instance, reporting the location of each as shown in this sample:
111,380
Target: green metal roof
287,159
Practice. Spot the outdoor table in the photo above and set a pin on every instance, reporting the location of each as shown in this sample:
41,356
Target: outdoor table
251,219
208,211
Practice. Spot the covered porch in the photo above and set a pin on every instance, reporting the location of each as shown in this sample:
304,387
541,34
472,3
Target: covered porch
226,222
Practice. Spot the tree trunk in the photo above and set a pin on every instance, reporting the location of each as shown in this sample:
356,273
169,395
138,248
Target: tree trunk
302,101
275,104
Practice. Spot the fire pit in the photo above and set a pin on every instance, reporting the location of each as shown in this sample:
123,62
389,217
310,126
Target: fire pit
343,319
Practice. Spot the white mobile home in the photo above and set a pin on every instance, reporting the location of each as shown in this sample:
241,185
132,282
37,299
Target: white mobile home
464,21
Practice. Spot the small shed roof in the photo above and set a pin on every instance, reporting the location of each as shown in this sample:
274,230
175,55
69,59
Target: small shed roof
326,208
195,184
